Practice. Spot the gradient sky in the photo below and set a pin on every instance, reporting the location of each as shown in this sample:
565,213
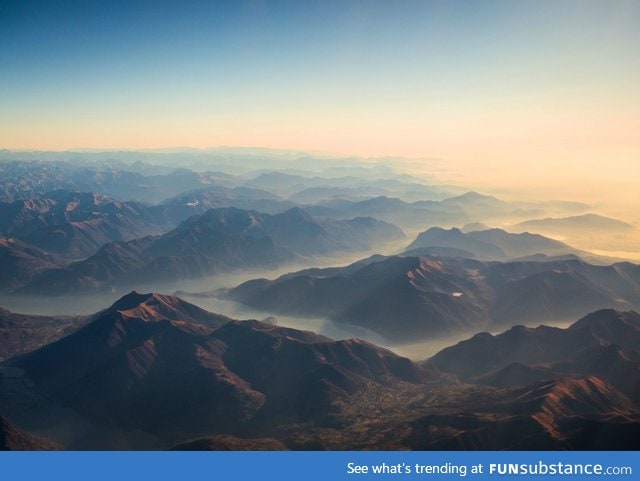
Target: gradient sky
491,87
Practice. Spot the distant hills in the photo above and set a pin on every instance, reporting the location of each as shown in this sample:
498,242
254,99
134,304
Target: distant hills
404,214
199,201
31,179
21,263
579,222
588,231
75,225
153,371
492,244
218,240
408,298
305,189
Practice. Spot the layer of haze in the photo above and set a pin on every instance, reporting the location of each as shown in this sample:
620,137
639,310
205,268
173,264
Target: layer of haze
537,97
203,295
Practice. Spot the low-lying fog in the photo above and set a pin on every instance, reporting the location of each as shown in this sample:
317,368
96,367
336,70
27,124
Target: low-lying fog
91,303
195,292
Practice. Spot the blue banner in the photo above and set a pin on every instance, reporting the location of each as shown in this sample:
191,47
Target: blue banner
284,466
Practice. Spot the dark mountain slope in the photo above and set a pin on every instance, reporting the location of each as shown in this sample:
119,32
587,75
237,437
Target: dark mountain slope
408,298
399,297
604,343
13,439
22,262
20,333
156,365
562,414
161,365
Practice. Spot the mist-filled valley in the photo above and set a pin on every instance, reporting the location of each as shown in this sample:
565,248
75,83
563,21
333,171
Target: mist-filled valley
256,299
319,226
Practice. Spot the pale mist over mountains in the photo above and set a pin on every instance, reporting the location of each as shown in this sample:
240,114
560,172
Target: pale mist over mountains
270,299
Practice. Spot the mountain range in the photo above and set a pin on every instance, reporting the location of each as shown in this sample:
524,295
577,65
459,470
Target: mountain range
156,366
30,179
588,231
592,222
406,215
405,298
604,343
310,189
558,369
22,263
493,244
74,225
199,201
217,241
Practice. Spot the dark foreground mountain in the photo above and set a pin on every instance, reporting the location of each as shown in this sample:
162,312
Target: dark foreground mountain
222,442
13,439
575,388
155,367
605,343
409,298
158,364
216,241
562,414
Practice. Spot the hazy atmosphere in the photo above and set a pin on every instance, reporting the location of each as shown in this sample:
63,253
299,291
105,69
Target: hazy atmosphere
335,225
540,96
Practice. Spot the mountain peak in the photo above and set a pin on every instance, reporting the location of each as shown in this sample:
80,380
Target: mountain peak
298,213
130,301
153,307
474,196
606,316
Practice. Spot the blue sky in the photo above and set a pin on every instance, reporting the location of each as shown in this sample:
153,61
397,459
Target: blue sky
477,82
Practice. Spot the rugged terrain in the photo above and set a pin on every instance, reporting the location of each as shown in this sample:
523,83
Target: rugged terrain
158,372
408,297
